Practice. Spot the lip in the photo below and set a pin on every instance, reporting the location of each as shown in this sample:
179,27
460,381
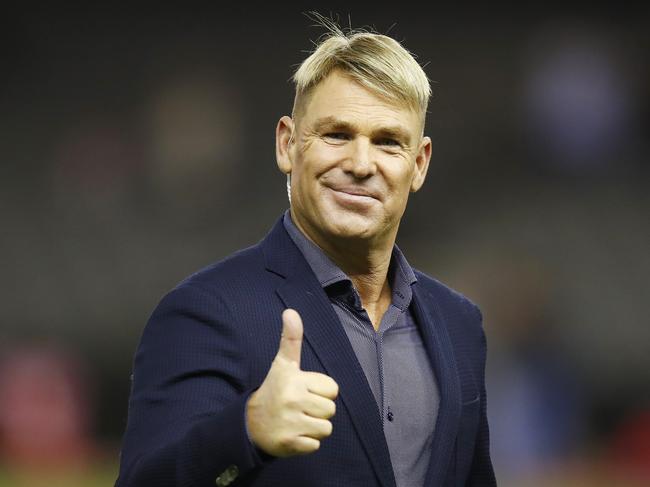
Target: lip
353,198
354,191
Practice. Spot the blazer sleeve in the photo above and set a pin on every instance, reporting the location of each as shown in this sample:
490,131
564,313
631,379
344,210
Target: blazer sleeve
481,473
186,420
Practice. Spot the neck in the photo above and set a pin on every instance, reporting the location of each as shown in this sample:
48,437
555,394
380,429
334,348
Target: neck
365,261
367,268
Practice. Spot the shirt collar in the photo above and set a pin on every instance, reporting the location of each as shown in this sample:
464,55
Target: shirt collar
400,273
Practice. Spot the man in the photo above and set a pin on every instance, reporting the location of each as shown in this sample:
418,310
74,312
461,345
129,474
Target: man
318,357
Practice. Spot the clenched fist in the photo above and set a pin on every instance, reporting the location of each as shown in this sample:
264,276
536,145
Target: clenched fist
289,414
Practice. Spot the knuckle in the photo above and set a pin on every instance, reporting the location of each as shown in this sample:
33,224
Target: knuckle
276,366
327,410
332,410
293,400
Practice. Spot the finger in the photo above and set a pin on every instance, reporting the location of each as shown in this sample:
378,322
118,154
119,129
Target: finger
303,445
318,406
291,339
321,384
317,428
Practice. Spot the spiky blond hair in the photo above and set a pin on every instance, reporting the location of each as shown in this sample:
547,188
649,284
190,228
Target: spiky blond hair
376,61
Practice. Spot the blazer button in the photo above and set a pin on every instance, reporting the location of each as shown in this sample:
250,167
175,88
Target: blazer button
227,476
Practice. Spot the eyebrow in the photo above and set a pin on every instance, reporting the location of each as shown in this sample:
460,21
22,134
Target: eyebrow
333,123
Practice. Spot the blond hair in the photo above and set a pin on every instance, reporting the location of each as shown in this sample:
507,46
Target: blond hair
377,62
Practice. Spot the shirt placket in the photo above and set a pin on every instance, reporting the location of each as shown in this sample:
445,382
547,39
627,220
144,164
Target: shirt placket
351,305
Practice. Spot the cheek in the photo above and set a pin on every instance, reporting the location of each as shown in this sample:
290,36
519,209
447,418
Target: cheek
323,156
316,164
305,178
399,177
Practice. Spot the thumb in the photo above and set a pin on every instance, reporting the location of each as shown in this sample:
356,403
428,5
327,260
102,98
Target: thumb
291,339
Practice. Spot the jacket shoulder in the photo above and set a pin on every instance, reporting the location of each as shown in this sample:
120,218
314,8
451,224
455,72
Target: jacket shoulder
244,265
445,294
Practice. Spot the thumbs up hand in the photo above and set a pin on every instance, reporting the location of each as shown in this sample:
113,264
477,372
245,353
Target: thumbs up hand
289,414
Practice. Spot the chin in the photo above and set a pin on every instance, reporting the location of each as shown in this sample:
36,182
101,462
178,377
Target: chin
353,226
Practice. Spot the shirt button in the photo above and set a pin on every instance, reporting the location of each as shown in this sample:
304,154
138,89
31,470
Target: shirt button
390,416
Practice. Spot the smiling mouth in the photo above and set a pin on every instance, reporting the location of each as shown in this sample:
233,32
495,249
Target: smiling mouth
354,192
353,197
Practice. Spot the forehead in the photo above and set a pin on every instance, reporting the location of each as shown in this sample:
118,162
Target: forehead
342,98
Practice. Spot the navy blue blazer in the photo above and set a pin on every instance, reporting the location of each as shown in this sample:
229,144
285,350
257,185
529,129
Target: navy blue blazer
210,343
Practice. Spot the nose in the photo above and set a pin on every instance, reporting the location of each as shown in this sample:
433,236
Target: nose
360,161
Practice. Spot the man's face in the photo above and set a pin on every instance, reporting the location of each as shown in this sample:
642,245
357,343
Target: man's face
353,160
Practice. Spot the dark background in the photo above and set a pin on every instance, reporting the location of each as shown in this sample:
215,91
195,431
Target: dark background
137,146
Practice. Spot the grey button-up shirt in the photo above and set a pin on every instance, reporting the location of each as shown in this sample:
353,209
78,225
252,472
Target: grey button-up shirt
393,358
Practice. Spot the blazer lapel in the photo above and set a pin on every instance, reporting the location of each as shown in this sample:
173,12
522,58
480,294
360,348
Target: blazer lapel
436,339
324,333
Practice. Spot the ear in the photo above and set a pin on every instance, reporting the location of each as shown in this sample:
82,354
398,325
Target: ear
421,164
283,141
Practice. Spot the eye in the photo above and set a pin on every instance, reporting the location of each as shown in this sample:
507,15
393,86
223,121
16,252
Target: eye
388,141
337,136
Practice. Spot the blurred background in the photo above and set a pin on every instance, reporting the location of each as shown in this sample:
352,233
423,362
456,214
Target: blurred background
137,146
